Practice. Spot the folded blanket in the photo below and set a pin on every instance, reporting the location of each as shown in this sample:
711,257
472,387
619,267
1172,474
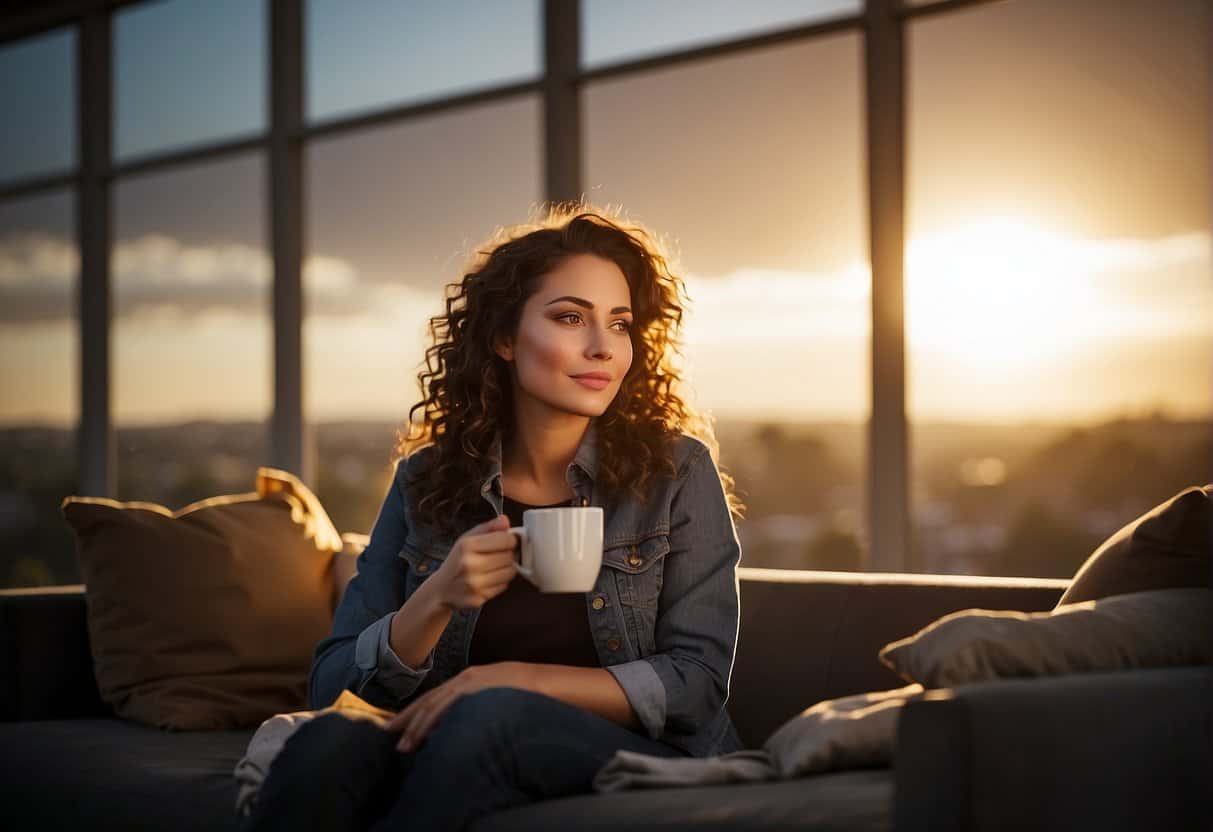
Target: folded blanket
268,740
851,732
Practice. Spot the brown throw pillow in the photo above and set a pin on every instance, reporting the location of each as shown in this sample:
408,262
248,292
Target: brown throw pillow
1159,628
1168,546
207,617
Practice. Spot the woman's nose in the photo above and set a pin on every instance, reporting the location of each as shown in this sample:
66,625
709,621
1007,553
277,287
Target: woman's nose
599,348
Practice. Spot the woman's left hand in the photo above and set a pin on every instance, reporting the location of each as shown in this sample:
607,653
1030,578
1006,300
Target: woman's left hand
416,720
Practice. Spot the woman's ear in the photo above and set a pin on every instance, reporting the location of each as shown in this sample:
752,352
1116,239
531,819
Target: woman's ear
504,348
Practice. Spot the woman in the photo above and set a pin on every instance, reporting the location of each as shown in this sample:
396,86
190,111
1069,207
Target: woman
549,383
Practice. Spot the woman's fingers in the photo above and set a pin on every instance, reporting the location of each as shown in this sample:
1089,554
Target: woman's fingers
398,721
486,570
490,542
501,575
420,726
405,716
481,561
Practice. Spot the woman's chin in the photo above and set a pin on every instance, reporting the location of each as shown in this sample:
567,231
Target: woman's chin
588,409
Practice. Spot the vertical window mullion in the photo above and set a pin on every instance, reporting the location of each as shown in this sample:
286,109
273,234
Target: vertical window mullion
95,437
290,444
561,100
888,480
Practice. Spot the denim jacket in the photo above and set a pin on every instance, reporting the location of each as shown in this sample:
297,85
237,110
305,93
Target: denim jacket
663,612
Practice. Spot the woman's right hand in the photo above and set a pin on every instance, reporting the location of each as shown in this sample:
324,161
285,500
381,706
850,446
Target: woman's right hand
479,566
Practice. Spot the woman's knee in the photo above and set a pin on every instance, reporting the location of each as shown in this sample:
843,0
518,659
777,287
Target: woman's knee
334,742
496,715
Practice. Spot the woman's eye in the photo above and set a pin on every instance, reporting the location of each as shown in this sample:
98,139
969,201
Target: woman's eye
573,315
625,325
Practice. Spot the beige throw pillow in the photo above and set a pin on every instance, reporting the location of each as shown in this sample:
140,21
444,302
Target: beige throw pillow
1158,628
1171,545
207,617
858,731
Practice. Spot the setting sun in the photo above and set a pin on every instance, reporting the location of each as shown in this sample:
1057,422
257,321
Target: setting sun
1004,293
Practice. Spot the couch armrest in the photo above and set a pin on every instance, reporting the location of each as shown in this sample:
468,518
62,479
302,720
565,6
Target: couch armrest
1125,750
46,667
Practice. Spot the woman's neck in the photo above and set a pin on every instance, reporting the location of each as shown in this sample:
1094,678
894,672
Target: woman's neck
535,459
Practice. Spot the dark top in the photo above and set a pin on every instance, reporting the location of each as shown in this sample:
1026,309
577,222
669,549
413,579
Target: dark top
523,624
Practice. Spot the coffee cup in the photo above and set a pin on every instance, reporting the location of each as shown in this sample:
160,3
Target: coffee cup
561,547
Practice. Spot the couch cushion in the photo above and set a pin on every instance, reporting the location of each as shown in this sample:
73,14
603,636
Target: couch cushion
103,774
46,669
1161,628
809,636
1091,751
848,801
1168,546
207,617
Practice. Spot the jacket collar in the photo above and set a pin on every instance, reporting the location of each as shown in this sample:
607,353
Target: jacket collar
586,458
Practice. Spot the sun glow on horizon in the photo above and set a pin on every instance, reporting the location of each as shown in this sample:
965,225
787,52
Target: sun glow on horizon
1004,319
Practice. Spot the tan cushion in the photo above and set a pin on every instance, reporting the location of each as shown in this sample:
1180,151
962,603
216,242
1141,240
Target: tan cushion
207,617
1159,628
1168,546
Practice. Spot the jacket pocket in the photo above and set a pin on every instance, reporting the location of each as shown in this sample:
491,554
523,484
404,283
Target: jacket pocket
421,561
637,568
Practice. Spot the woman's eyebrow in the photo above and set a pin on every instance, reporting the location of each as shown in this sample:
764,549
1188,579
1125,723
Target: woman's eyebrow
586,304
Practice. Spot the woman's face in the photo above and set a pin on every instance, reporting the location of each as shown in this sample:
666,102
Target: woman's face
572,348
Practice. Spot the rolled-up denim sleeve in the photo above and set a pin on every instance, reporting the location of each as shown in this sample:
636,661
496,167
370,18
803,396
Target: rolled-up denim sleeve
357,654
685,683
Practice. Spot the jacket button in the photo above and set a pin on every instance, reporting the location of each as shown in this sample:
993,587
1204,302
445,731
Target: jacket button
635,560
598,603
612,644
422,567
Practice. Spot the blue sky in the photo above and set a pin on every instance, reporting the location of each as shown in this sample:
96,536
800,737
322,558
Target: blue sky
192,71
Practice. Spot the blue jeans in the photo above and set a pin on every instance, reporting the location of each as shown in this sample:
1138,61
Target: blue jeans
490,750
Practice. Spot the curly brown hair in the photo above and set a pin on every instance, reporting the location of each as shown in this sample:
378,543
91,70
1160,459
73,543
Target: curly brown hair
467,395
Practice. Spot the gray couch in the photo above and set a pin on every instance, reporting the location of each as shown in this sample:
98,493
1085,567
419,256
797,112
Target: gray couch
1128,750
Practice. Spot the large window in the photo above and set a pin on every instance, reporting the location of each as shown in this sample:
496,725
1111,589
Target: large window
38,99
192,341
1059,302
188,72
377,53
618,30
39,349
751,165
396,214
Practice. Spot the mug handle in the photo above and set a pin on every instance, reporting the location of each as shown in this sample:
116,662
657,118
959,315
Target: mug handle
527,566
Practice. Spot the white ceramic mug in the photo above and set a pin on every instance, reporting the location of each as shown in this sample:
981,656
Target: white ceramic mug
561,547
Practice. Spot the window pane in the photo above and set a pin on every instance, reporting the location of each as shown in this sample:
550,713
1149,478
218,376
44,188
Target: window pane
192,332
39,403
759,189
1059,302
188,72
619,30
384,53
38,99
396,213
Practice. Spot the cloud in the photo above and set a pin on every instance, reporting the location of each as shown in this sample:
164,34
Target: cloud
155,275
1148,283
37,278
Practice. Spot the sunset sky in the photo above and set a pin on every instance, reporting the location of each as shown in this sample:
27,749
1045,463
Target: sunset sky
1059,265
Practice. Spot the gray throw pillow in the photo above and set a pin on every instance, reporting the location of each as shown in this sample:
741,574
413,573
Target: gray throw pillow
1168,546
858,731
1158,628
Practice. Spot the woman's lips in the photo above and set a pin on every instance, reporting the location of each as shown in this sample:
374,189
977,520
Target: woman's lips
591,382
